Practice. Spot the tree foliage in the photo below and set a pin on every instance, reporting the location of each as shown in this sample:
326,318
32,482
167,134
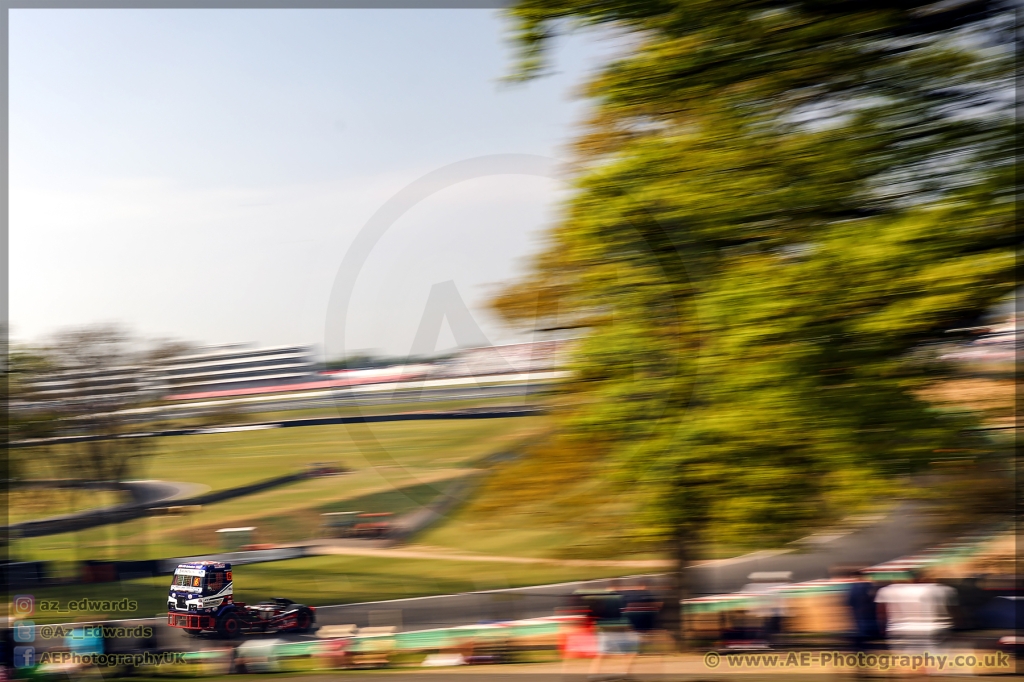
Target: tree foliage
777,205
86,408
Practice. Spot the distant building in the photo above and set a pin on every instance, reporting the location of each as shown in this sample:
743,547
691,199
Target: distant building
218,369
517,358
237,367
109,385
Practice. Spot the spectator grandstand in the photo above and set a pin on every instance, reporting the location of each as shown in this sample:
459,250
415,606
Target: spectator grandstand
104,385
237,367
217,369
236,370
517,358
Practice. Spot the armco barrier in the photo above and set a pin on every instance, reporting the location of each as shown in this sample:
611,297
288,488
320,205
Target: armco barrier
28,575
23,575
479,413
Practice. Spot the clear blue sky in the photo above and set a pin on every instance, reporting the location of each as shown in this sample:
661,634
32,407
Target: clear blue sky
200,173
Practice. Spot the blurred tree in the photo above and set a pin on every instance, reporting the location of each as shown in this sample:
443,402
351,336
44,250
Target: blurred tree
777,204
161,350
22,363
97,368
100,346
360,361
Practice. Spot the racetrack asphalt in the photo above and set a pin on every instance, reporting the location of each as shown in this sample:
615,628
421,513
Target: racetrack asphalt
901,532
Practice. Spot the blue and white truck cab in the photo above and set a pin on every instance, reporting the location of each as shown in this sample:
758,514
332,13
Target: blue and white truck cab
200,591
201,598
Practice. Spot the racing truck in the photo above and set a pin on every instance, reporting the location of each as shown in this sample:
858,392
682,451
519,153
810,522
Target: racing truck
201,600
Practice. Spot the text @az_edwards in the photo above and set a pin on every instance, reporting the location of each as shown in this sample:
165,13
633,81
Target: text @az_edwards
89,631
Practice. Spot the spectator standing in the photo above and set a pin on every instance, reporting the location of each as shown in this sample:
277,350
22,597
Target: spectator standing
615,636
769,608
579,639
971,599
860,599
916,613
642,610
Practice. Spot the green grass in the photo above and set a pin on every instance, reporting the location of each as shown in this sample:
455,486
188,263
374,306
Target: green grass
227,460
384,458
397,467
393,466
398,501
328,580
521,535
26,504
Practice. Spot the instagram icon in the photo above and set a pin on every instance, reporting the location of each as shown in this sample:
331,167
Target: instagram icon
24,605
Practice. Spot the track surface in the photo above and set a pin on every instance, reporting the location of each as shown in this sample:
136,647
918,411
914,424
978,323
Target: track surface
146,496
347,399
472,413
900,533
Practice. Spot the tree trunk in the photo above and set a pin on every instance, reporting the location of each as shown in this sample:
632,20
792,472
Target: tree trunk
679,588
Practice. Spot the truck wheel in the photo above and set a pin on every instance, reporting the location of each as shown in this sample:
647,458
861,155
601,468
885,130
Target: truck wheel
229,626
304,621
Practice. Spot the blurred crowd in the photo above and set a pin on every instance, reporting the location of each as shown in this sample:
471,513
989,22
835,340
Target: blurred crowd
619,622
611,630
865,610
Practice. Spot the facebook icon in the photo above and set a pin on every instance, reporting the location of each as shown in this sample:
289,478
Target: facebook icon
24,656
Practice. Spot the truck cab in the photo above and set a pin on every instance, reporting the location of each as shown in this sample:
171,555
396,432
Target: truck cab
198,593
201,599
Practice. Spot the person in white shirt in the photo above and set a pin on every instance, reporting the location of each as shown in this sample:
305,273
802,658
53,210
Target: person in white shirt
916,613
769,606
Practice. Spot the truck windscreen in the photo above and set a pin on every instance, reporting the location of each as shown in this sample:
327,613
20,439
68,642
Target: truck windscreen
181,580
